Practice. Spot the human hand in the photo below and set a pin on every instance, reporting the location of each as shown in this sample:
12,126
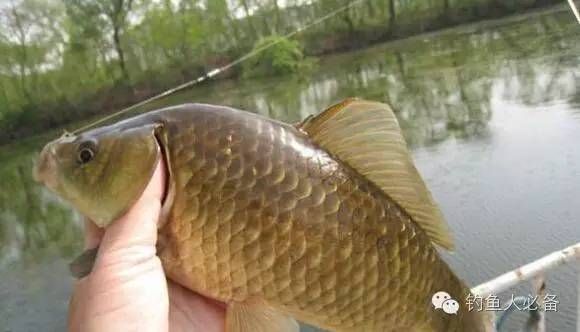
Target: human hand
127,289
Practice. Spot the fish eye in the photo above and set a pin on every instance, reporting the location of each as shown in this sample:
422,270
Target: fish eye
86,152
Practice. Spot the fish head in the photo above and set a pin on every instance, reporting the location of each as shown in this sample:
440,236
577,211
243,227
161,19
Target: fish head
101,172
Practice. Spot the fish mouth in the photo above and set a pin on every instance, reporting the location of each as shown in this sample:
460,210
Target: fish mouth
45,167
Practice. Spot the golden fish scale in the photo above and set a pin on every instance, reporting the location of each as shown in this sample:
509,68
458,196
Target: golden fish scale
263,216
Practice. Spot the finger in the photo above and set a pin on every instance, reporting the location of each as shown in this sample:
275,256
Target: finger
138,227
75,307
93,234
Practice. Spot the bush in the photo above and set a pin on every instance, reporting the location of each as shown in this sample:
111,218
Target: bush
283,56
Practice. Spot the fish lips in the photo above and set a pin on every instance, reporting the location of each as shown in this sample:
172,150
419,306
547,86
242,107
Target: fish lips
45,167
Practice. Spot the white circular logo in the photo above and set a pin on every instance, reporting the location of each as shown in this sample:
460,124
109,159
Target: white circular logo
438,299
450,306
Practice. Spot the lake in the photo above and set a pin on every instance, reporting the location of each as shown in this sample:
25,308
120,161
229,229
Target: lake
490,110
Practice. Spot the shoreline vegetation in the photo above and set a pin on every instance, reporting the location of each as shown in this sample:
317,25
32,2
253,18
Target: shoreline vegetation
67,60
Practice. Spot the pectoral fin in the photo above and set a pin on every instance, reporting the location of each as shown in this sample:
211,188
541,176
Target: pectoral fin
256,318
81,266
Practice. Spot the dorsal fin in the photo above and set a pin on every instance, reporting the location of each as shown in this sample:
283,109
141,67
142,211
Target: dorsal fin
366,135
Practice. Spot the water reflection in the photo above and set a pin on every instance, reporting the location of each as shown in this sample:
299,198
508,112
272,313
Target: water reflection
34,224
439,85
443,87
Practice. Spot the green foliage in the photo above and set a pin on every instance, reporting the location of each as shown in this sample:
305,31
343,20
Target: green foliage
62,60
280,56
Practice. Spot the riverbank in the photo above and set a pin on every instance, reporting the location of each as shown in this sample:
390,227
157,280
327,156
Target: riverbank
35,117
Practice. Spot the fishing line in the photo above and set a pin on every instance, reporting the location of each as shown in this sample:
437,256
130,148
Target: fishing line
219,70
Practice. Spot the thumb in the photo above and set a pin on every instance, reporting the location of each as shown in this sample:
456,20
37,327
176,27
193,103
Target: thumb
132,237
127,289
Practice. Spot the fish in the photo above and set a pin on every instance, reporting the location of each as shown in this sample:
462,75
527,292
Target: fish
326,221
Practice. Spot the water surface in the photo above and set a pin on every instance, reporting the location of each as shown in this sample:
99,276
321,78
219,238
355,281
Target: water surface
491,111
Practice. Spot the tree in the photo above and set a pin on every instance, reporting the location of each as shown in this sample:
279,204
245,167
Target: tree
17,26
392,14
101,18
29,39
246,5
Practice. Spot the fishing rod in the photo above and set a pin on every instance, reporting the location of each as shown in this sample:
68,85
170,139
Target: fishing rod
574,10
214,72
